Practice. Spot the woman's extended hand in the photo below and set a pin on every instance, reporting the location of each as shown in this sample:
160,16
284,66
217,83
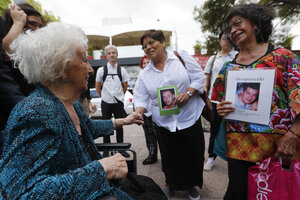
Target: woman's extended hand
115,166
223,109
134,118
181,99
287,148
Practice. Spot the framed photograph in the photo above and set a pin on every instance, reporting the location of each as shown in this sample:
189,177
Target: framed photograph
166,97
250,91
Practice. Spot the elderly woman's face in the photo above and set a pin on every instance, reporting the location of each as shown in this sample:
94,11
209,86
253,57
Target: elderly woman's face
153,47
78,71
242,32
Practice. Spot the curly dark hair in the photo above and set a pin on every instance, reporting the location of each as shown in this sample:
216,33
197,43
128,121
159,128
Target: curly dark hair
153,34
259,15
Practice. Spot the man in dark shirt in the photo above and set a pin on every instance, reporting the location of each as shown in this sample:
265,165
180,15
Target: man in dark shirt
10,93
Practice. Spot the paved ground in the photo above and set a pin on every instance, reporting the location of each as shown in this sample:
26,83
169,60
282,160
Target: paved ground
215,181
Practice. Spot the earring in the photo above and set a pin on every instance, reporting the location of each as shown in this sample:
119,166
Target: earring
65,80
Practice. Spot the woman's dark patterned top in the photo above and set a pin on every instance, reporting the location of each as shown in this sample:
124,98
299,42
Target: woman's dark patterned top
43,157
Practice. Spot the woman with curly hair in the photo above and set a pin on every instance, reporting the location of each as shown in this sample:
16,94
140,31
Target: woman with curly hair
249,27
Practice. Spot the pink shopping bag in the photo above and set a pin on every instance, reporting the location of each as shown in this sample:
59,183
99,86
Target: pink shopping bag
295,188
269,181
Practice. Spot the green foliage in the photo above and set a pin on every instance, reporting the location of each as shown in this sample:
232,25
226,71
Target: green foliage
282,39
47,15
287,10
3,5
90,50
212,45
197,47
211,15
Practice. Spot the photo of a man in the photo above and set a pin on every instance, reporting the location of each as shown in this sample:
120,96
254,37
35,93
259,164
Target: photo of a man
247,96
167,98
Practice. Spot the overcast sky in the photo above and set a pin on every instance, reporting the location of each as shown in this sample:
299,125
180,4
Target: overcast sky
176,14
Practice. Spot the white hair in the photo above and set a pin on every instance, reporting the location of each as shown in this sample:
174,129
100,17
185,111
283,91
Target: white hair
110,46
43,55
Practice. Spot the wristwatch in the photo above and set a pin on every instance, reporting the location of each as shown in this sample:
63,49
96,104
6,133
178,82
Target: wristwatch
189,93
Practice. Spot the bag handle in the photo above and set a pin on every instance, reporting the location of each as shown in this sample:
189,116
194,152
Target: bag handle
203,95
180,58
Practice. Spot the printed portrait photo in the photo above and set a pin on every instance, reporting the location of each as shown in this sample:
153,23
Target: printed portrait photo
247,96
167,98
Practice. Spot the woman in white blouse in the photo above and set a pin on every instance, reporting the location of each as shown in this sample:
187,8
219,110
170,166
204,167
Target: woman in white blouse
180,135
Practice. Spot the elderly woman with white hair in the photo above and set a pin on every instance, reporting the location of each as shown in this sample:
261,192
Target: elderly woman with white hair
49,150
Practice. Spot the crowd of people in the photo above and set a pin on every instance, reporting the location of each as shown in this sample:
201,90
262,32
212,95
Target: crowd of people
48,139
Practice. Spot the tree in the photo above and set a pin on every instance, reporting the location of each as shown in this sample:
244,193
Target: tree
3,5
288,11
48,16
212,22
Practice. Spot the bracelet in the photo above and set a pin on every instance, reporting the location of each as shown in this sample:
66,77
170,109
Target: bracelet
189,93
290,130
115,123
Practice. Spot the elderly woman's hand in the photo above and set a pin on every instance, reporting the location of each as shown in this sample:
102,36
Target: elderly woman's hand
223,109
133,118
115,166
287,148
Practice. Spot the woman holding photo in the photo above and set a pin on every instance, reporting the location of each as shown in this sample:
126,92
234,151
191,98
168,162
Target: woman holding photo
249,27
180,136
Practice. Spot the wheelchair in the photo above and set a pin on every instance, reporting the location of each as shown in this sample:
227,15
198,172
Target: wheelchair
119,147
137,184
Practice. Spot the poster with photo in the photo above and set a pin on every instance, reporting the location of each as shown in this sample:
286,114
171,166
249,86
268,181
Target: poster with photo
250,91
166,97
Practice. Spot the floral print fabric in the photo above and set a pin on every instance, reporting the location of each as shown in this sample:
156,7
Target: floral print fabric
254,142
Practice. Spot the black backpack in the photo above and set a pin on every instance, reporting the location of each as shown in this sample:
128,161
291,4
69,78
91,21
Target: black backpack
105,73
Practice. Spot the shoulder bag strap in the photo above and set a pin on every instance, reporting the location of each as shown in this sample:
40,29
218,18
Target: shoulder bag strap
179,57
207,110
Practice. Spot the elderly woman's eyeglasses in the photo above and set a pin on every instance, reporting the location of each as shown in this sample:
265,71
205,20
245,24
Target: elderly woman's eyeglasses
150,43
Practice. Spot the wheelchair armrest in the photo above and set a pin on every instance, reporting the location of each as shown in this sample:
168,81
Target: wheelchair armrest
109,146
119,147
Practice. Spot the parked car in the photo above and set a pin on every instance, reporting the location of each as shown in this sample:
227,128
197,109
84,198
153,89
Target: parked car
133,73
96,100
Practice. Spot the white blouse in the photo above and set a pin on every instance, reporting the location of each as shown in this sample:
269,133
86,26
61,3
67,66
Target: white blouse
174,73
